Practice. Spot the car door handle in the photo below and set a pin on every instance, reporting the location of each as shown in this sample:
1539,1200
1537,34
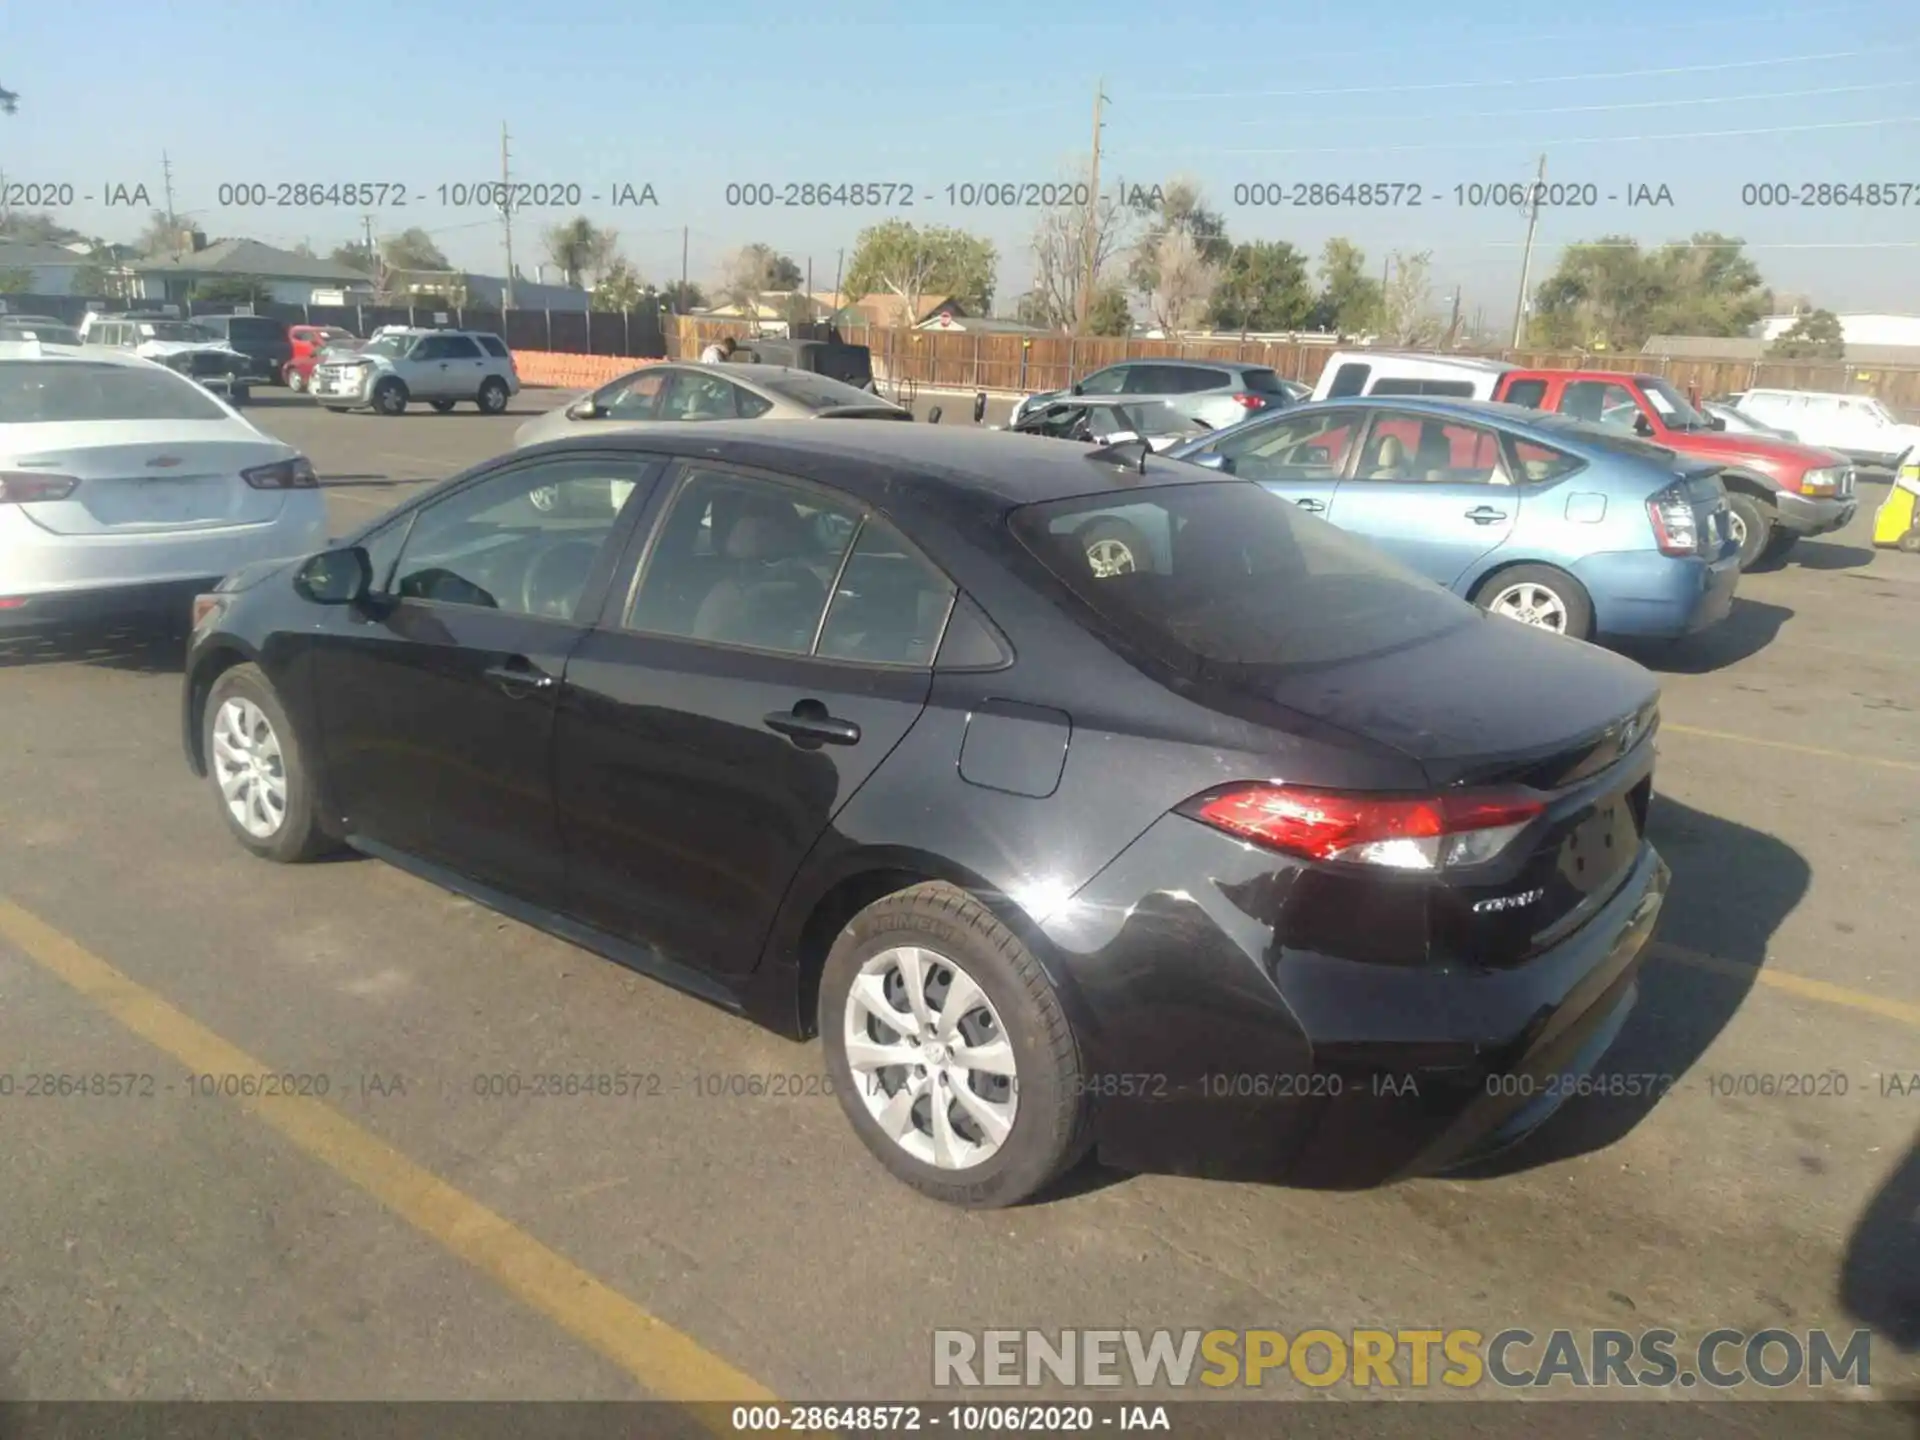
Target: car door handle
1316,506
1485,514
519,677
808,724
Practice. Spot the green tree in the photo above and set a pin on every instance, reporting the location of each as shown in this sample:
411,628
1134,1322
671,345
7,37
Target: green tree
1263,286
1176,208
16,280
233,290
1349,297
1109,314
1706,285
36,227
683,297
581,249
1814,336
356,256
1610,293
413,249
9,102
160,235
93,281
899,259
619,288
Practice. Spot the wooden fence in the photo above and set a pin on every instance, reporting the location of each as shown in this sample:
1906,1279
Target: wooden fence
1027,363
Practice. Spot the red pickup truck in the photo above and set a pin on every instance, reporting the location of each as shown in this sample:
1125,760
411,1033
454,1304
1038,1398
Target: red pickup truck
1777,491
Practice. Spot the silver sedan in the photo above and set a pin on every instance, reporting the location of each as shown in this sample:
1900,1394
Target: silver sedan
676,393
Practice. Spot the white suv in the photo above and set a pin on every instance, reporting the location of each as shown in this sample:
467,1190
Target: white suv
403,367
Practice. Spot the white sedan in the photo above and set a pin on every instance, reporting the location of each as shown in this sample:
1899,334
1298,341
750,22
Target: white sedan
125,488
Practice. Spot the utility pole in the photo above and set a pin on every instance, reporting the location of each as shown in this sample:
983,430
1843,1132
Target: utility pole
1092,237
506,211
166,180
1526,256
683,264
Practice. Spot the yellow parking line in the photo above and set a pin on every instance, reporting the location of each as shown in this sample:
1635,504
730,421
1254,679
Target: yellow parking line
1705,734
666,1363
1788,983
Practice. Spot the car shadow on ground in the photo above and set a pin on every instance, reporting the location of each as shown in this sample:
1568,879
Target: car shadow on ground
1880,1274
1748,629
1820,555
154,649
1732,887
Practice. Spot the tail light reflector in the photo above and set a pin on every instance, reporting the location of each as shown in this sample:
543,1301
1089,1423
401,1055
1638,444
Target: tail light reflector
1432,832
19,487
1673,526
294,474
1250,402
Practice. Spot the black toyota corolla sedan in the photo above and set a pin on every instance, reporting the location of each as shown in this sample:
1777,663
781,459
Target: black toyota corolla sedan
1249,854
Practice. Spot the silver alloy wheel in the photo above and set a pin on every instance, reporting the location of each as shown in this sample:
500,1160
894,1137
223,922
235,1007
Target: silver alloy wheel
544,497
1532,603
1111,557
1737,527
250,770
930,1057
295,381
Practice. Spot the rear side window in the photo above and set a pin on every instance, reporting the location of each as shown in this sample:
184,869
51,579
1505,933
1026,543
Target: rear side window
46,393
889,606
493,345
1350,379
1535,463
1227,575
1527,393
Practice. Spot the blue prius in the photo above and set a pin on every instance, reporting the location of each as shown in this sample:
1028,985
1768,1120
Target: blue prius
1539,518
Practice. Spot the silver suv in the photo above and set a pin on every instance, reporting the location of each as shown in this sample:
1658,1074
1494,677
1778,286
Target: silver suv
402,367
1217,393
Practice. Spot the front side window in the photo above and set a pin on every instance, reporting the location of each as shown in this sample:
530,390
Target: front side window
889,606
634,398
743,561
524,541
1424,449
1297,446
41,392
1600,402
458,347
699,395
433,347
1236,579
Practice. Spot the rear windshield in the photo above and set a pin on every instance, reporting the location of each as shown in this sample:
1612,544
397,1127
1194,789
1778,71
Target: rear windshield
851,363
820,392
42,393
1264,382
1228,575
35,330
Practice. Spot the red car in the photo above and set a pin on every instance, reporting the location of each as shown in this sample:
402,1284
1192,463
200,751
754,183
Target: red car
308,342
1777,490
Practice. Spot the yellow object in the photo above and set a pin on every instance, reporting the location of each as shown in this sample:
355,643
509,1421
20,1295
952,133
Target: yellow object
1897,521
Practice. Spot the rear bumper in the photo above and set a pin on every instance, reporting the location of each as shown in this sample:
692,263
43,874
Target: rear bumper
1807,515
169,599
1646,594
1214,1048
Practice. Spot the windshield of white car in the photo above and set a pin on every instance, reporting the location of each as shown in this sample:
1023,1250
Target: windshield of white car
42,392
1673,406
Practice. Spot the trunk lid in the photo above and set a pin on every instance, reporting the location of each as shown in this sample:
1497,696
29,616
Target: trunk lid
132,482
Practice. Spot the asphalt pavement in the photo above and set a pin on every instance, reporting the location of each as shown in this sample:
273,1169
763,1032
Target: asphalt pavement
392,1228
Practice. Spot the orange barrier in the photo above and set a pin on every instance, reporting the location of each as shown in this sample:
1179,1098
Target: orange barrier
573,372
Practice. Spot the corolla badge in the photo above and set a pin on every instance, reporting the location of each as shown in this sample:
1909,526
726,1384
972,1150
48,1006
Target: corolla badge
1507,902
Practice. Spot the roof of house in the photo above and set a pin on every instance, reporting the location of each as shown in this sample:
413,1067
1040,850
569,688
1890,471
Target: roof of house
980,325
251,259
879,308
32,253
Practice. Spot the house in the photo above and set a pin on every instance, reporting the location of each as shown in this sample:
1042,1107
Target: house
289,278
882,310
1900,331
1754,349
771,307
949,321
49,269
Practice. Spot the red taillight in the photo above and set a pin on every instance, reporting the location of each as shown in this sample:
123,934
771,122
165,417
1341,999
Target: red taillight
1251,402
1674,530
23,487
1432,832
294,474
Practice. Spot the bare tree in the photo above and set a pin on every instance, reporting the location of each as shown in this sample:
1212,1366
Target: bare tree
1184,281
1408,316
1062,243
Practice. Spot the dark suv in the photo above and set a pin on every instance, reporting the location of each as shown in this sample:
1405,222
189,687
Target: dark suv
262,339
835,359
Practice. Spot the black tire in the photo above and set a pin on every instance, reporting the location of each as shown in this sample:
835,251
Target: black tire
1050,1132
1753,524
338,409
299,836
443,406
390,397
1910,542
1779,545
493,396
1569,592
1110,541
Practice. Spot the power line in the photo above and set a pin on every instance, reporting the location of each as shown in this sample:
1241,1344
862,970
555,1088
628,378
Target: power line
1509,81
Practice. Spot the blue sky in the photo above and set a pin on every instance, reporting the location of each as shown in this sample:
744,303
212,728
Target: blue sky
1703,99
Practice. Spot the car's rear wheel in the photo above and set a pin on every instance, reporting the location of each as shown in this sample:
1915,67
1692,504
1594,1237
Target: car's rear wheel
1752,527
443,406
950,1051
1540,596
390,397
493,395
255,765
296,382
1114,547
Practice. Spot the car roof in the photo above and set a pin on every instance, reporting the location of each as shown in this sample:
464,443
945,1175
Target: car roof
884,461
1522,419
1479,363
1179,363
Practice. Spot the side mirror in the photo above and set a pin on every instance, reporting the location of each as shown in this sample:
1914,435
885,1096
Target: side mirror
587,409
335,577
1211,460
1074,389
933,416
979,407
1642,426
1716,422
